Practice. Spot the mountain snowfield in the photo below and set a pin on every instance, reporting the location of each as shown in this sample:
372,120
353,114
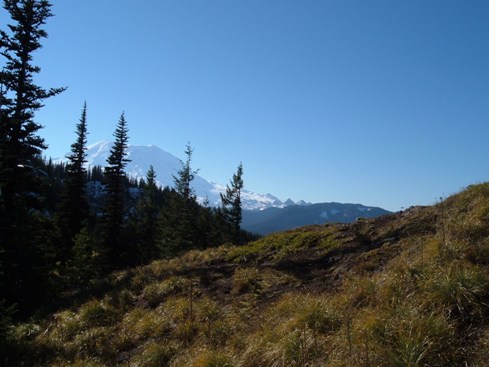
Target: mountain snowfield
166,165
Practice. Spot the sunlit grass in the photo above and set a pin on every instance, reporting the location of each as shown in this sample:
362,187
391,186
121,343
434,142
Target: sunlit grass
424,304
279,245
155,293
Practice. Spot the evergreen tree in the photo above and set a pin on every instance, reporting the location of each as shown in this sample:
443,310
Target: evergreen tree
185,177
210,228
115,208
231,205
144,220
84,264
96,174
21,219
74,209
20,97
178,226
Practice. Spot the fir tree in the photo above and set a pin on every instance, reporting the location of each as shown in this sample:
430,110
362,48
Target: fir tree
84,263
231,205
115,210
96,174
179,230
74,209
144,220
210,228
185,177
21,220
20,97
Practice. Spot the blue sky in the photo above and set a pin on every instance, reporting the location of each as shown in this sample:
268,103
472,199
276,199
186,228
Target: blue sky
383,103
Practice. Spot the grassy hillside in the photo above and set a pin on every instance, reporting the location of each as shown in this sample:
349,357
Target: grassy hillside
408,289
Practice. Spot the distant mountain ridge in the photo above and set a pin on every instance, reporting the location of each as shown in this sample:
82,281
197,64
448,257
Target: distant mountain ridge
279,219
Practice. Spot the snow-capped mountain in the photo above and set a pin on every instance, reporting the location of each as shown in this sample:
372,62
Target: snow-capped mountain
166,165
261,213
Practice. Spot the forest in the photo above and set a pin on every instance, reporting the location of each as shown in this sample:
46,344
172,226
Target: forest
66,226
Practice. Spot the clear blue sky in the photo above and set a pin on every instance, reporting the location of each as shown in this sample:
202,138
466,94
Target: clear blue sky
382,103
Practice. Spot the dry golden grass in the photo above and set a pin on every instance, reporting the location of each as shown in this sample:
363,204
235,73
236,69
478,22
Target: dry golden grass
419,298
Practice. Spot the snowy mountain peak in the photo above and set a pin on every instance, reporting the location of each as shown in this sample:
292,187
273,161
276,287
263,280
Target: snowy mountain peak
166,165
289,202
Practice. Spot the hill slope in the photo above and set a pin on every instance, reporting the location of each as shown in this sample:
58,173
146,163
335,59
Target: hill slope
407,289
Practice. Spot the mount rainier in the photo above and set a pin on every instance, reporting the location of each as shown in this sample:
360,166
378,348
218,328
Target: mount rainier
261,213
166,165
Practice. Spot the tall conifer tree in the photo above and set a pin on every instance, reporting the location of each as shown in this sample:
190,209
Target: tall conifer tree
179,230
20,147
185,176
74,209
19,143
115,209
231,204
145,218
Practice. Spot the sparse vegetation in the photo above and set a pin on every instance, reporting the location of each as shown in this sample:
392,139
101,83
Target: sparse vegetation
391,291
277,246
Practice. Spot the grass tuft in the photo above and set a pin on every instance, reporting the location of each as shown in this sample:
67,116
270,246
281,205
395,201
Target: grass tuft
154,354
97,313
460,289
213,359
155,293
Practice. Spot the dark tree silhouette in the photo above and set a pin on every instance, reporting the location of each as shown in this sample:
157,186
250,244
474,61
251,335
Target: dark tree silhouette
145,219
115,208
231,205
74,209
178,225
22,224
